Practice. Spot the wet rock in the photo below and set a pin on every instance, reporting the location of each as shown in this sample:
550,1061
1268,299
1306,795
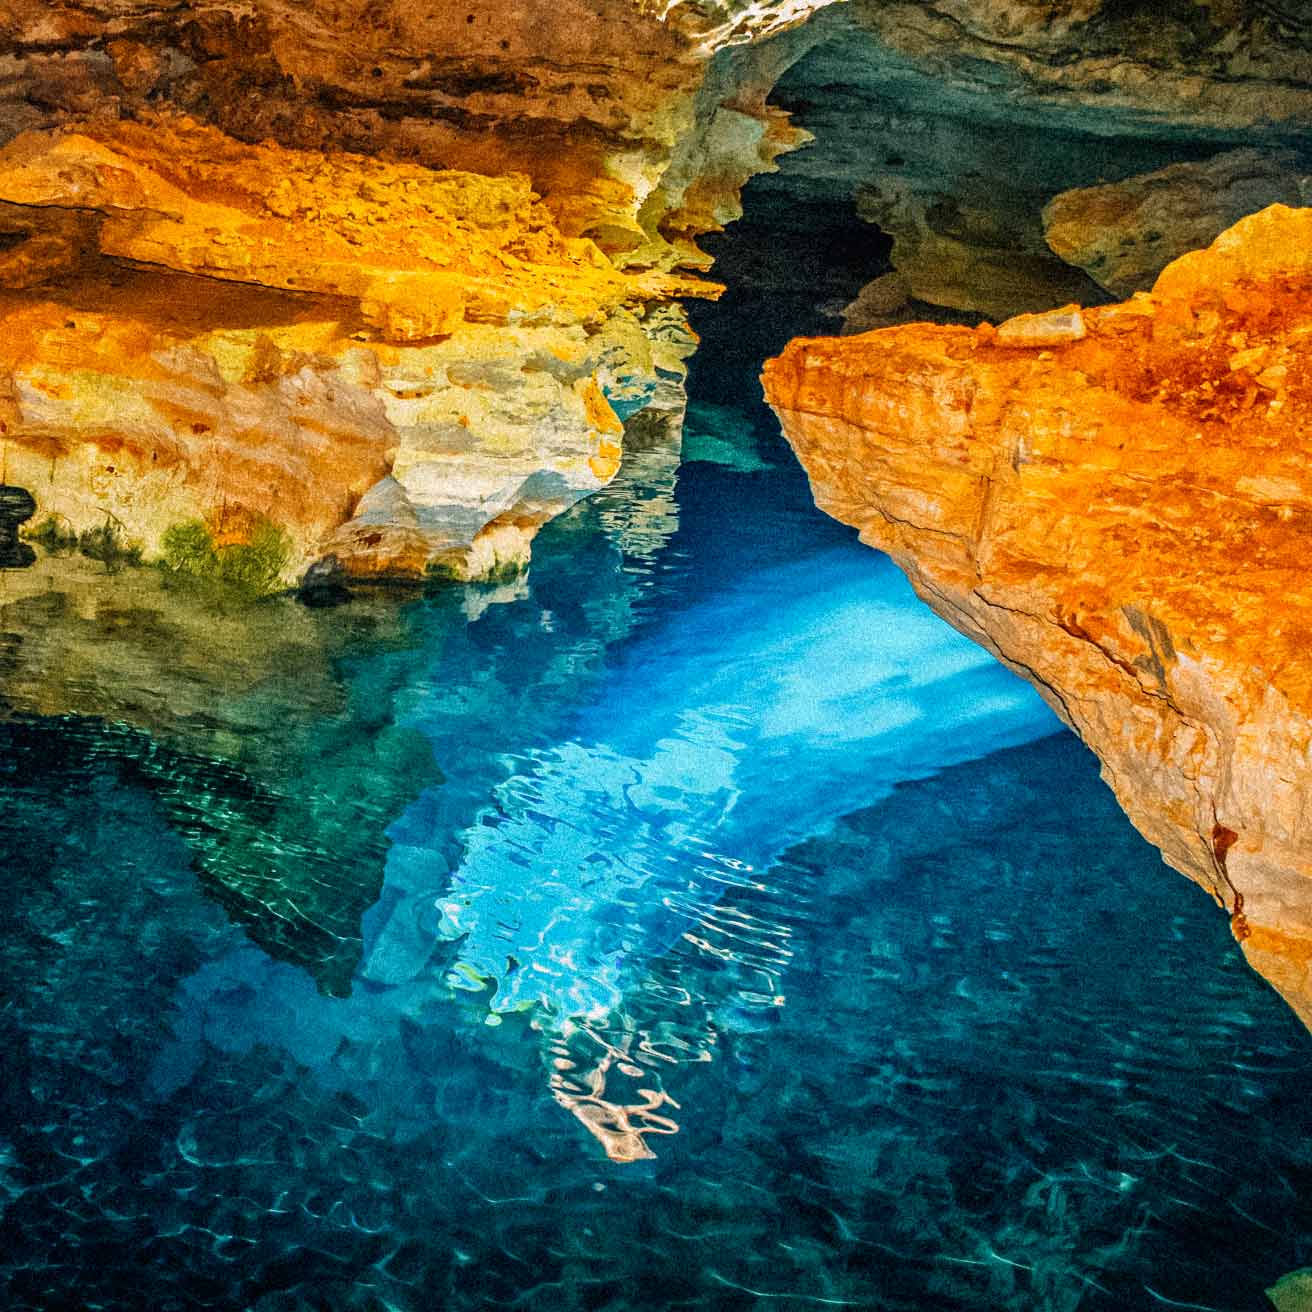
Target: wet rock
16,507
324,585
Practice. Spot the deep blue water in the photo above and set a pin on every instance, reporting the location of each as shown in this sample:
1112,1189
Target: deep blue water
696,922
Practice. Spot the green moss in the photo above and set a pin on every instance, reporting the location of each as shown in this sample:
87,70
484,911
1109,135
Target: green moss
504,571
441,571
452,568
107,545
53,534
253,568
189,549
257,565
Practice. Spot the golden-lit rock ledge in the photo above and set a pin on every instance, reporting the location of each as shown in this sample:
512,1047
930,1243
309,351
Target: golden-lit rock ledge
1118,503
403,368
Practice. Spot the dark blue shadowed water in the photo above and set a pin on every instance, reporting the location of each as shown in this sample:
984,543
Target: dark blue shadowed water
695,923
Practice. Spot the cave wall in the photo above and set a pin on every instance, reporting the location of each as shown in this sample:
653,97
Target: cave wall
418,404
955,126
458,223
377,288
1116,503
591,99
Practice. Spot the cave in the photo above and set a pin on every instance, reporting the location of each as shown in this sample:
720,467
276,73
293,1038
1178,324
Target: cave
617,624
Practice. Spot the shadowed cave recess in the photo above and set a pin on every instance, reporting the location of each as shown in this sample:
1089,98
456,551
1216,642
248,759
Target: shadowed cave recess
482,826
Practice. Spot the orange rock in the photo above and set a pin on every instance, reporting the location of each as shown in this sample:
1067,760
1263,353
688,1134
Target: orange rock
419,249
1125,520
389,362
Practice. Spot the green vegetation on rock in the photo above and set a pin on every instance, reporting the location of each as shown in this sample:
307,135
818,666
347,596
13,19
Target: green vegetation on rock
253,567
105,543
53,535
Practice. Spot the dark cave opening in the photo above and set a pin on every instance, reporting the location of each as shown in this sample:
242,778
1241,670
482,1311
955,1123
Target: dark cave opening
789,268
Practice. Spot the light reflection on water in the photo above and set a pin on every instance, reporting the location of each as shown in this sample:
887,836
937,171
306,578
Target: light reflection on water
967,1045
759,717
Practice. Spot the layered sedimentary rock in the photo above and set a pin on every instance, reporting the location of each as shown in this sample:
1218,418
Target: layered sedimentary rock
443,233
591,99
401,368
638,120
1123,234
1117,503
434,361
953,124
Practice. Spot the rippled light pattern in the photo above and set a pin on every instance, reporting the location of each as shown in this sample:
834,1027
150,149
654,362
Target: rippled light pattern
695,922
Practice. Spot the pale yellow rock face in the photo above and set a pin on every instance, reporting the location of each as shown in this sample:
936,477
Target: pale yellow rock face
1124,234
1123,517
403,368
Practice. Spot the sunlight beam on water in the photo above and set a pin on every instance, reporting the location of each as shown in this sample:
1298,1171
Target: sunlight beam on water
756,720
616,885
970,1045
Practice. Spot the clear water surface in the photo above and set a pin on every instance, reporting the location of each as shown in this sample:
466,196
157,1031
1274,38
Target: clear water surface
696,922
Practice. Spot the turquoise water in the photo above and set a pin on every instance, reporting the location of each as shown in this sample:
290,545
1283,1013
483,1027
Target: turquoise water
695,922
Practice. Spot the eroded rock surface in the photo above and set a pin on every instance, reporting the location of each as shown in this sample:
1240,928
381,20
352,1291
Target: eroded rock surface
406,369
953,124
1124,234
1122,514
590,99
448,233
471,217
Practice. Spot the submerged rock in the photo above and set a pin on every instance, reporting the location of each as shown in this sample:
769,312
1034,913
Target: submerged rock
1123,519
1293,1292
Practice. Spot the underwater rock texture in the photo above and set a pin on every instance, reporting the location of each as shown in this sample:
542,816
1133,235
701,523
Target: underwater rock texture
1117,503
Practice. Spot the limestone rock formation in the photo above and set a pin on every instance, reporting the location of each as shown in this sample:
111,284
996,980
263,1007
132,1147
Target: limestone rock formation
453,227
1124,234
590,99
954,123
1118,504
638,120
406,369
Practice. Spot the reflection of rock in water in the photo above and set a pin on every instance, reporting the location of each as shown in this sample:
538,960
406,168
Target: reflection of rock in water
16,507
232,716
297,892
